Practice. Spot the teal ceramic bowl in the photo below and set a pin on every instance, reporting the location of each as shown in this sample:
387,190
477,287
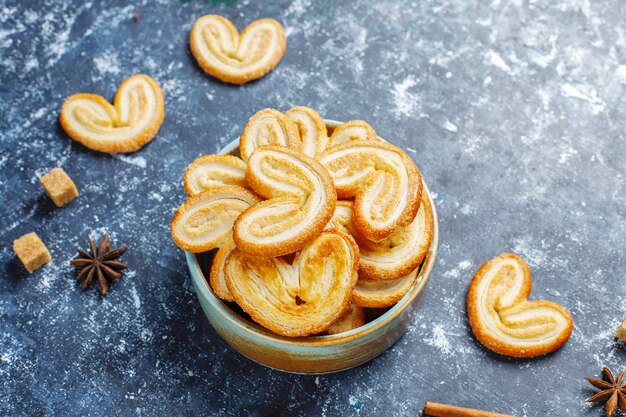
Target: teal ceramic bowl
311,354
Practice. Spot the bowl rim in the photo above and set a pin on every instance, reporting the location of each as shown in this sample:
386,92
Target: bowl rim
242,324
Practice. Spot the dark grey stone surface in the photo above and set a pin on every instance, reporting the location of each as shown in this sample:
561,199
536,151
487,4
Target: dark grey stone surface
513,110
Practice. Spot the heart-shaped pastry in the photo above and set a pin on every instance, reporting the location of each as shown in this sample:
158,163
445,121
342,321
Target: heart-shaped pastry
301,201
132,121
352,130
268,127
233,58
311,130
384,181
394,256
217,279
205,220
210,171
299,299
381,294
352,318
401,252
504,320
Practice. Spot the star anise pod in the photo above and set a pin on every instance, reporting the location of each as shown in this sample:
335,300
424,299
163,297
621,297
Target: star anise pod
100,264
612,391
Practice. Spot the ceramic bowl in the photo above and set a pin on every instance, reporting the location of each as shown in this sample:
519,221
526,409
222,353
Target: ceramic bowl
311,354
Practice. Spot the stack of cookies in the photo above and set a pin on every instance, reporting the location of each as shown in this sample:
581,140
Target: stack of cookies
311,224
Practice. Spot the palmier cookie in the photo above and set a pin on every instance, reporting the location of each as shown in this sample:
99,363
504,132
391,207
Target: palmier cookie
132,121
504,320
395,256
311,130
352,130
301,200
217,279
233,58
401,252
299,299
381,294
211,171
384,181
205,220
352,318
267,127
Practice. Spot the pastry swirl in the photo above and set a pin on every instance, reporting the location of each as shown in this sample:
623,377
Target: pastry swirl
311,130
352,318
205,220
132,121
384,181
233,58
381,294
504,320
211,171
352,130
299,299
301,200
267,127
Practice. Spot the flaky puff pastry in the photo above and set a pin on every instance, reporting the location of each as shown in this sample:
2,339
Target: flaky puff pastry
384,181
210,171
225,54
205,220
267,127
301,200
311,130
299,299
352,318
381,294
217,278
350,131
504,320
132,121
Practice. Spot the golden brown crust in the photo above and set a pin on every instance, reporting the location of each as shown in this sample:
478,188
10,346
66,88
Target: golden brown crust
126,126
267,127
205,220
352,130
217,279
301,200
300,299
384,181
311,130
210,171
223,53
504,320
352,318
382,294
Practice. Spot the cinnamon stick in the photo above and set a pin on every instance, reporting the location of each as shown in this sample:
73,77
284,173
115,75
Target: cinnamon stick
445,410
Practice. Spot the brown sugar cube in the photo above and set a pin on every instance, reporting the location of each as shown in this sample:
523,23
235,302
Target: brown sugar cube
31,251
621,332
59,187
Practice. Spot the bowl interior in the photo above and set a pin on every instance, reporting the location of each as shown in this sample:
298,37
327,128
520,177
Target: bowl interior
238,318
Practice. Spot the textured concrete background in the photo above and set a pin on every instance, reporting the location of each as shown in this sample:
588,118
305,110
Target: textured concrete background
513,110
